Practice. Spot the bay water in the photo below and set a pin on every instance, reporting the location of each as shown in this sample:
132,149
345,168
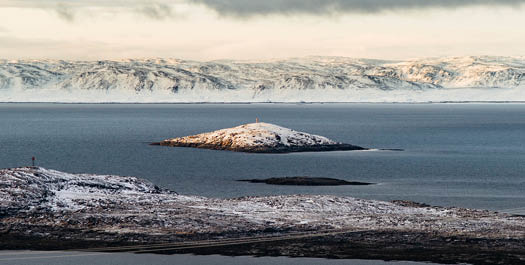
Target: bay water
467,155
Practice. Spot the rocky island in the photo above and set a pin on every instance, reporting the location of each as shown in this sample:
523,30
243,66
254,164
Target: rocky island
306,181
259,137
47,209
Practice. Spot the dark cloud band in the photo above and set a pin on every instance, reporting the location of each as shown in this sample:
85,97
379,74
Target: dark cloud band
322,7
160,9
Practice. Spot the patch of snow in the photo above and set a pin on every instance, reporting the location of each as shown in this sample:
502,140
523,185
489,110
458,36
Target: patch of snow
256,134
127,204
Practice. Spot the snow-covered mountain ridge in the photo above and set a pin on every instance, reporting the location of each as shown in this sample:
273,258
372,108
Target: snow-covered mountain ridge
310,79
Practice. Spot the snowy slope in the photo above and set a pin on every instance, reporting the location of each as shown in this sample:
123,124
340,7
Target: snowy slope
48,198
311,79
257,134
259,137
57,191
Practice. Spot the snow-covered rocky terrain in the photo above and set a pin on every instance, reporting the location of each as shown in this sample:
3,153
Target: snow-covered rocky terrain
311,79
259,137
128,204
38,204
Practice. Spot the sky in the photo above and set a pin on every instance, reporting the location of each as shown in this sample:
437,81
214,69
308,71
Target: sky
259,30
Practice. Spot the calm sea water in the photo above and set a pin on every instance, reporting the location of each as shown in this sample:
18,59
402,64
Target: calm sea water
469,155
455,154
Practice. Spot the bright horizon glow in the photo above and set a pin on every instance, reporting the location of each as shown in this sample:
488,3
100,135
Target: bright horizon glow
195,32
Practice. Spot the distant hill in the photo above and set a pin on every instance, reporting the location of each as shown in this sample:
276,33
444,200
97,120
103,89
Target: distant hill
310,79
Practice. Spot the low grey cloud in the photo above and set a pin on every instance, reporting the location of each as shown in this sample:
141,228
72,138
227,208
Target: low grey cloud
68,9
324,7
65,12
162,9
155,10
71,3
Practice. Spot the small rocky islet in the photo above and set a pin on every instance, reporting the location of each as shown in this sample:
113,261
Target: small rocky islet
306,181
260,137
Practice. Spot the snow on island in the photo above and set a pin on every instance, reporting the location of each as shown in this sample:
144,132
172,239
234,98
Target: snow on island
52,208
259,137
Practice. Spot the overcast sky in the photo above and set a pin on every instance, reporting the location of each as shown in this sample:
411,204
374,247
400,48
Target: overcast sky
252,29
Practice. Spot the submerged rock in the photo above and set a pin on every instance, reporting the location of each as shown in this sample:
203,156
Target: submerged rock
306,181
259,137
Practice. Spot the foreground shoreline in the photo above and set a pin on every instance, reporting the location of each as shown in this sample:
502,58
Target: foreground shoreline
374,245
50,210
387,245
